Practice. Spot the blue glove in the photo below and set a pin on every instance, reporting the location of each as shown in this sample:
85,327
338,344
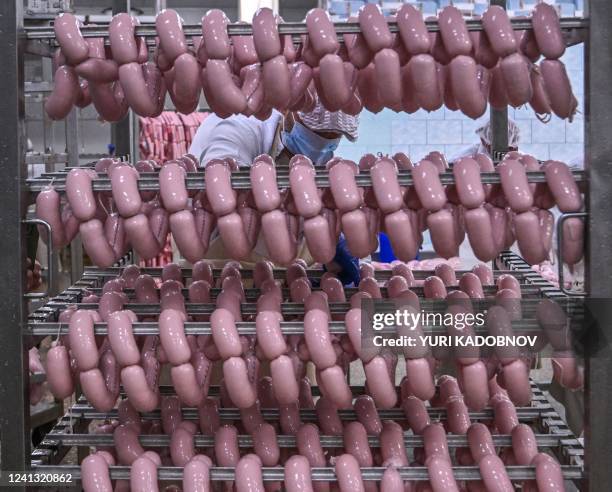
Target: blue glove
348,264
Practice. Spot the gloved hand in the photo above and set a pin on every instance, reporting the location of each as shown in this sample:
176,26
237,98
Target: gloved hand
344,265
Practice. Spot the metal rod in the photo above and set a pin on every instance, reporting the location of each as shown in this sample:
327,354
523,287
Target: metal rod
288,441
242,180
295,28
15,407
248,328
515,473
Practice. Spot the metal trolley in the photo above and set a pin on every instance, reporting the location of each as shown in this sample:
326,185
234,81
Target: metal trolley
589,471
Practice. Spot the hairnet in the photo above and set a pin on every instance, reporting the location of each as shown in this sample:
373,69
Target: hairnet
320,119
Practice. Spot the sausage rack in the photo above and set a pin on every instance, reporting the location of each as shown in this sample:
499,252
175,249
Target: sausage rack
551,431
589,468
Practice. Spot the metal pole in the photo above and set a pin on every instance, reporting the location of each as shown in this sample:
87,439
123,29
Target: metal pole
499,119
15,407
598,391
122,130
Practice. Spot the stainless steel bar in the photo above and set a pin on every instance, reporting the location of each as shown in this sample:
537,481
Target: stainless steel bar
287,441
241,180
515,473
86,411
598,162
14,395
296,28
248,328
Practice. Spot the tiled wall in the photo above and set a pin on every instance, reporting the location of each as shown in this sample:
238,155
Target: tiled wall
419,133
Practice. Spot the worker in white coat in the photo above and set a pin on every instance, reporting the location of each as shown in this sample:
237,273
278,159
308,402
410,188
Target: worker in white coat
316,135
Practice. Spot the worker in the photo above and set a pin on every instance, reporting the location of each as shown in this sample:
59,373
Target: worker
484,146
315,134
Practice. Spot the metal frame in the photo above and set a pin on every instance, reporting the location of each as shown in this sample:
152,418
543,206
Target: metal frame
14,418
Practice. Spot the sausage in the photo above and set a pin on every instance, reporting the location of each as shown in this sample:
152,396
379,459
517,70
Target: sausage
265,35
420,380
347,471
309,445
64,95
121,338
237,382
428,187
82,340
540,101
468,184
499,31
225,334
248,474
549,475
474,383
143,475
374,28
224,91
48,209
79,192
527,230
355,440
126,444
59,375
494,475
466,86
423,73
122,40
303,187
321,33
68,33
413,31
318,340
181,446
563,186
389,78
515,71
386,186
454,32
141,236
440,473
196,474
558,88
142,397
297,474
276,80
547,31
172,336
392,443
284,381
186,86
208,413
443,236
524,444
480,233
214,34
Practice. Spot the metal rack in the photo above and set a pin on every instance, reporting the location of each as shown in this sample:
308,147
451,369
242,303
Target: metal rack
15,41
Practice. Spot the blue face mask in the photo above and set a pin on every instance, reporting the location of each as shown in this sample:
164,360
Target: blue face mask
302,140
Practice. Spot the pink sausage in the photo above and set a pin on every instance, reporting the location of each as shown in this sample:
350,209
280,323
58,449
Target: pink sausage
354,226
82,340
303,187
515,71
374,28
71,41
123,42
563,186
386,186
454,32
413,31
276,79
527,230
234,236
355,440
428,187
185,234
318,340
468,184
494,474
79,193
392,443
441,226
424,77
420,379
337,389
297,474
466,86
208,412
547,31
348,472
277,236
573,240
196,475
172,336
309,445
516,382
416,414
48,209
505,415
284,381
237,381
265,444
181,446
59,375
265,35
524,444
367,414
136,387
549,475
388,73
263,183
380,386
441,476
480,233
321,32
225,334
122,339
457,415
95,475
126,444
248,474
474,384
141,236
499,31
143,475
558,88
226,94
214,34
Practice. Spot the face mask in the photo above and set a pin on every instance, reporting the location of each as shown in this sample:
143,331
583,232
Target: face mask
302,140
